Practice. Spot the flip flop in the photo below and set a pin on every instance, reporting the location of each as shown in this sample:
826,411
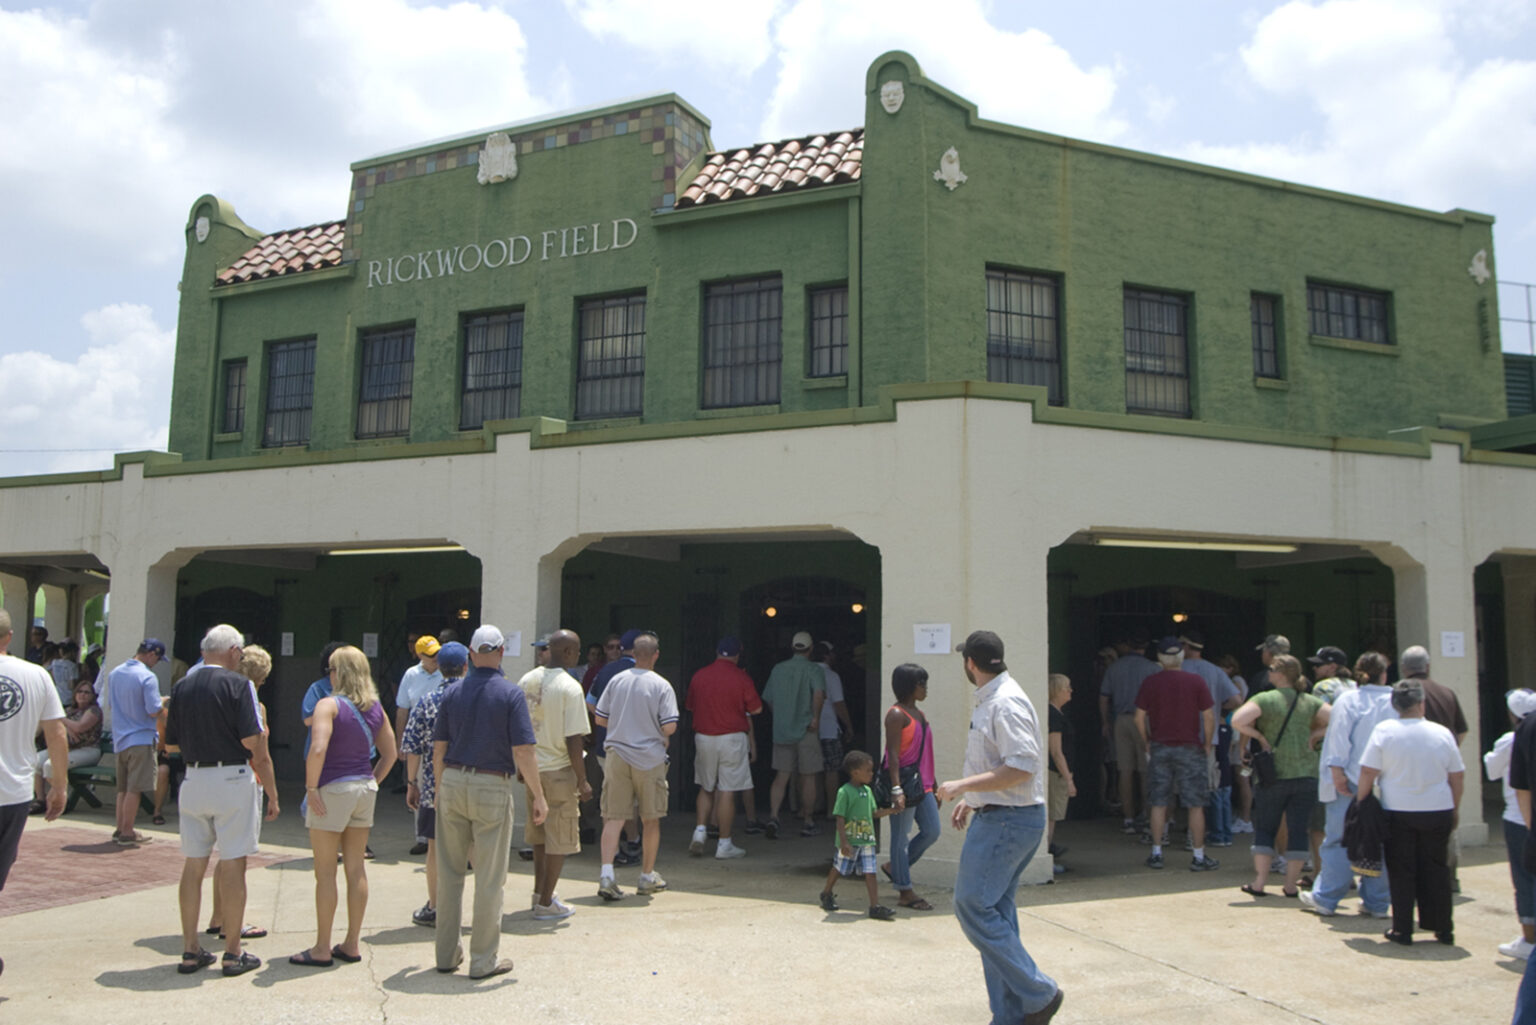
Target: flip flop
1250,891
342,955
158,820
308,960
249,932
886,868
916,905
194,961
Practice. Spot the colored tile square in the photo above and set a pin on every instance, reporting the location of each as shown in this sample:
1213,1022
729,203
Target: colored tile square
621,128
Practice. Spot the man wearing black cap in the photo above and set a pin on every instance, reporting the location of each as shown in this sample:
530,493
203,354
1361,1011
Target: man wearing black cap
1329,670
134,694
1004,784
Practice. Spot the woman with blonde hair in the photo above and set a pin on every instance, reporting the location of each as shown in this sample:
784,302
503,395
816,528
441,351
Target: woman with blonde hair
340,790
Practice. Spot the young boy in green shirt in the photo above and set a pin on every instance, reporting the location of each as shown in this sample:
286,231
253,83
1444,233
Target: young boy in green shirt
856,812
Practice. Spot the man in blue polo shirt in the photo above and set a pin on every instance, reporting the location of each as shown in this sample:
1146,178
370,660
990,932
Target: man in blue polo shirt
482,740
136,705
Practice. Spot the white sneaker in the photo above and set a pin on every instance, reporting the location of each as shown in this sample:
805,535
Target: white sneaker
696,845
1242,826
651,883
1310,903
725,850
552,911
1517,947
1277,864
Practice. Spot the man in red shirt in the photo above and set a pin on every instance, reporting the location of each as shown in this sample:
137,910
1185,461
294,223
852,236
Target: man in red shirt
720,698
1170,709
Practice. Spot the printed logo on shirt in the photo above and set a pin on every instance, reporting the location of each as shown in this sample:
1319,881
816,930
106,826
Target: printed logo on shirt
11,698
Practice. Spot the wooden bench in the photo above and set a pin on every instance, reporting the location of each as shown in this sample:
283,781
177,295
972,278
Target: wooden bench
84,779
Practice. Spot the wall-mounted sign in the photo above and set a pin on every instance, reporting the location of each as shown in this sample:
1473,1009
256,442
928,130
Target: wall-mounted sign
930,638
471,257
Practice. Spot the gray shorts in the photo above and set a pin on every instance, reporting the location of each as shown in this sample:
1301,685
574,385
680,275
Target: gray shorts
1178,769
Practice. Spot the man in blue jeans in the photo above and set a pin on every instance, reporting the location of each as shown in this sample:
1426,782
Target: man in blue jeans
1004,784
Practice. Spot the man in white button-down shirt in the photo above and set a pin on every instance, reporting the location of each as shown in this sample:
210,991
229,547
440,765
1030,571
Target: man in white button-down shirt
1004,784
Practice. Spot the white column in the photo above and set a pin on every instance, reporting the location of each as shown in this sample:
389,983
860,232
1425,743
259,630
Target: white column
56,615
15,595
143,604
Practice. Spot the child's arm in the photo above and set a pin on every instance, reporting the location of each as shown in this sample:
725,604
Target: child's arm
881,813
843,846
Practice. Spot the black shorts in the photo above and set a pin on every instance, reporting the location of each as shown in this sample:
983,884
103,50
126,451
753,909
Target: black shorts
13,818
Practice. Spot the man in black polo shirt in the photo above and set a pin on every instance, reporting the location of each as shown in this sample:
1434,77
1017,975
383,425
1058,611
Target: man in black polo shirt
483,739
214,722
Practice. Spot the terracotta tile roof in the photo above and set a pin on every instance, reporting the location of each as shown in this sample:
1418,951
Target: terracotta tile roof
775,167
288,252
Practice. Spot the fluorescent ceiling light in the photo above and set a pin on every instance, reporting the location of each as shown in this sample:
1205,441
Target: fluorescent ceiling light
1195,546
422,550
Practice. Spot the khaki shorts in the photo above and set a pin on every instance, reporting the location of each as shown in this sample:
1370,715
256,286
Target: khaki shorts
1130,745
1056,795
803,756
348,805
624,785
561,831
219,806
136,769
721,762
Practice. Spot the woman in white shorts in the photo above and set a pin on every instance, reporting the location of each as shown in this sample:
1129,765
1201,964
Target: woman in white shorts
340,790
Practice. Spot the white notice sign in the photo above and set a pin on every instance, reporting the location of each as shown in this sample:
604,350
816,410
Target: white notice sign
514,643
371,645
286,646
1453,644
930,638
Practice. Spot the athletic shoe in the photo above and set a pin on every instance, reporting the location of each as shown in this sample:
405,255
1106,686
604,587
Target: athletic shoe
553,911
696,845
1277,864
129,839
650,883
1189,844
1218,843
1310,903
752,826
828,902
630,847
425,915
1058,868
1129,828
1242,826
623,859
608,889
810,829
727,850
419,848
1205,864
770,829
1154,861
1517,947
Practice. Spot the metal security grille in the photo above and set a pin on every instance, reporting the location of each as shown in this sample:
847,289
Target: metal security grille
1266,346
1348,313
290,393
1024,330
384,396
742,350
234,397
610,366
829,331
1156,353
493,368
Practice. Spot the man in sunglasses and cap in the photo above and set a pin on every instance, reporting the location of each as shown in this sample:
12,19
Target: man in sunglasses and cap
1004,785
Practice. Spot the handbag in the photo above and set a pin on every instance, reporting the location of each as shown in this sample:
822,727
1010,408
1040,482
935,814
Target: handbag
911,777
1264,761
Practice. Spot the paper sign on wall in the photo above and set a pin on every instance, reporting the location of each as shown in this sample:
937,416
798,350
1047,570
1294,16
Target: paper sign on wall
285,647
1453,644
514,642
371,645
930,638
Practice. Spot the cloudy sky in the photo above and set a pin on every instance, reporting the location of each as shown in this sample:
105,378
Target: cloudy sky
115,116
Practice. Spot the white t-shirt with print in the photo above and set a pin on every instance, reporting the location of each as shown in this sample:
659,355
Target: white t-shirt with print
27,697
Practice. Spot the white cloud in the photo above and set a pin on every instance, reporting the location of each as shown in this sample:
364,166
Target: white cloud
730,37
1402,114
114,397
1022,78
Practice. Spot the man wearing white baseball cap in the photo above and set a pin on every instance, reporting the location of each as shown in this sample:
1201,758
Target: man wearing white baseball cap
795,691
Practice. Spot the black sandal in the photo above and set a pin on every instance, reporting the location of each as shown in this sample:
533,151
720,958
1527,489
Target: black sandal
194,961
239,964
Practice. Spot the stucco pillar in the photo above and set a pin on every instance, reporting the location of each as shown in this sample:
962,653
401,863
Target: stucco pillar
15,595
144,604
56,614
509,592
1519,576
1436,604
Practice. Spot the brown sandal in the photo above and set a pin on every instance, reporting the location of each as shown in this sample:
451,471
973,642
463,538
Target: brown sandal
916,905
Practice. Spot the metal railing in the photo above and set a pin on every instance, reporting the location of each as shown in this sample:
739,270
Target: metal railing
1519,298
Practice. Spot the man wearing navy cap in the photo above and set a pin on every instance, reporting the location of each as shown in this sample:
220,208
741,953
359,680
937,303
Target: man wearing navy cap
721,699
136,707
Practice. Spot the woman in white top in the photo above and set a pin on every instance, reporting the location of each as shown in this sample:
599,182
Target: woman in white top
1521,703
1420,771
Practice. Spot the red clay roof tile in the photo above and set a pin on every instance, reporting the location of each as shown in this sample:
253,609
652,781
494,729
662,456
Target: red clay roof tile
776,167
288,252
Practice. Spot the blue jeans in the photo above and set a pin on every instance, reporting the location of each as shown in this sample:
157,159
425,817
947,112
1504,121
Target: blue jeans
1333,875
998,845
1525,884
905,854
1218,816
1525,996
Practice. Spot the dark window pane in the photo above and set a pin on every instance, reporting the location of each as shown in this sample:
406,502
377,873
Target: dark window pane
1024,330
1338,312
384,394
493,368
610,359
290,393
1266,346
234,397
829,331
1156,353
742,353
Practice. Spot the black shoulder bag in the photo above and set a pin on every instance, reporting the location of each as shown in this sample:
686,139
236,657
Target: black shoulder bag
1264,761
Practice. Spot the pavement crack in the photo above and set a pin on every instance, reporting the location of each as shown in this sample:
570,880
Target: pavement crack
377,983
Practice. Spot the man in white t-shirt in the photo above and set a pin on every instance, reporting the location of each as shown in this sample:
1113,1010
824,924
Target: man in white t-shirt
27,702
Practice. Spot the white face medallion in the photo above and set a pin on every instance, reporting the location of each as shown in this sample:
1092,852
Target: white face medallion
891,96
498,161
200,229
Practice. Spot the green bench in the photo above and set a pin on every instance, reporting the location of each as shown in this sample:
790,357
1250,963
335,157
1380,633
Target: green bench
84,779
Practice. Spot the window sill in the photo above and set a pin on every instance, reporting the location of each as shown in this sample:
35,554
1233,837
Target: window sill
735,411
604,421
228,436
833,381
1273,383
1353,345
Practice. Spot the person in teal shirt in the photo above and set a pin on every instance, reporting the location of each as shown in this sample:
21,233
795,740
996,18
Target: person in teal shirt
795,692
855,813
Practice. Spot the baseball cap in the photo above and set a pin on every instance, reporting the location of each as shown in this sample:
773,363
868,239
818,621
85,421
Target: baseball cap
729,645
1521,702
627,642
153,644
1329,654
1170,645
452,655
487,638
542,642
427,646
985,648
1275,644
801,641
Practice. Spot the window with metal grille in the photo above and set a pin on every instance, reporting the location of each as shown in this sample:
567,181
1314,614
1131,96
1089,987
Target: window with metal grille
1266,341
829,331
493,368
1356,313
1024,330
1156,353
384,392
290,393
233,421
610,357
742,343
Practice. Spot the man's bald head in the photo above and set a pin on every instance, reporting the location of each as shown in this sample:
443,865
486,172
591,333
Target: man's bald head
564,649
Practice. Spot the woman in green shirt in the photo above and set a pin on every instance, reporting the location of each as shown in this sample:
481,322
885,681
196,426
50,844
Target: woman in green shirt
1294,744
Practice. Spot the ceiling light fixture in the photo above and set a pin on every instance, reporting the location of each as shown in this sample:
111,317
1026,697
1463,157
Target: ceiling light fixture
421,550
1196,546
